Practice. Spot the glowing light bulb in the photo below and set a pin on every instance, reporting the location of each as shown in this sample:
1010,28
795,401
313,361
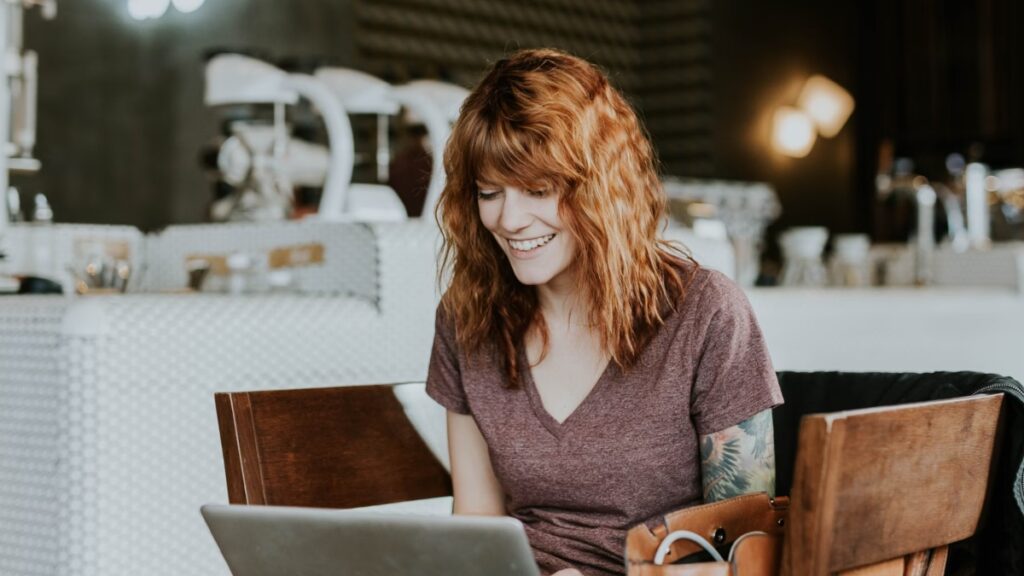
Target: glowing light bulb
186,6
793,132
827,103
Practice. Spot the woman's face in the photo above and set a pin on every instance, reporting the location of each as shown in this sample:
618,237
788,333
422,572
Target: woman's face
526,224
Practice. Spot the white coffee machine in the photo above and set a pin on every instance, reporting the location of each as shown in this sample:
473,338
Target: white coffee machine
265,162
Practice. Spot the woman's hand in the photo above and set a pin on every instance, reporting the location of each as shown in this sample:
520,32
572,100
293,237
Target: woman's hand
568,572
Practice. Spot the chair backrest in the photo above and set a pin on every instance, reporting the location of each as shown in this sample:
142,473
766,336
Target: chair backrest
879,489
324,447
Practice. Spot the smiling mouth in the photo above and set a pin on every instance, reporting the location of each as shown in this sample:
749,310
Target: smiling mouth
530,245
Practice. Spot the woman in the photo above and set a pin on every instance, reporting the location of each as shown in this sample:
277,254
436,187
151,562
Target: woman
594,376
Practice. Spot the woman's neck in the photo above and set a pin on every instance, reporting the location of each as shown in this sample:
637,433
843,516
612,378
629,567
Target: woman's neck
560,303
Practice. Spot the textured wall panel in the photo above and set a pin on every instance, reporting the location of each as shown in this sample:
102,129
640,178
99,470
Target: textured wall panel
658,53
675,83
458,38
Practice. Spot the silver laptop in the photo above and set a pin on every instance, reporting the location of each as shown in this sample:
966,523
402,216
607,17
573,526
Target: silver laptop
284,541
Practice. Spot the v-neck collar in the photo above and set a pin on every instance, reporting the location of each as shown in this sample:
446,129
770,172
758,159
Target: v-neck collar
558,429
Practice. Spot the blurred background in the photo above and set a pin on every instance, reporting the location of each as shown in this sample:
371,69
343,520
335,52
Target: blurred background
122,122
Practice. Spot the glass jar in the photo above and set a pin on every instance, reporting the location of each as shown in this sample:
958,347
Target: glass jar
850,265
802,249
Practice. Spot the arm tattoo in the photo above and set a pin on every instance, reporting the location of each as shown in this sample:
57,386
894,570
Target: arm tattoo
740,459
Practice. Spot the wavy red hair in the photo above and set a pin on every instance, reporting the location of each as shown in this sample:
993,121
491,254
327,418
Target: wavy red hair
544,116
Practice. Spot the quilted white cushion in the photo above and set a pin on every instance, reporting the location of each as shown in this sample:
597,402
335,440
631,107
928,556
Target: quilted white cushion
427,417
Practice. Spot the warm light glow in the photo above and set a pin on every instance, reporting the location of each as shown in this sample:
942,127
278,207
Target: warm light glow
144,9
187,6
827,103
792,132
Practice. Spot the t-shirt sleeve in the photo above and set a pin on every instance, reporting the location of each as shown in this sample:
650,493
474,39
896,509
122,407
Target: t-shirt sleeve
444,379
734,377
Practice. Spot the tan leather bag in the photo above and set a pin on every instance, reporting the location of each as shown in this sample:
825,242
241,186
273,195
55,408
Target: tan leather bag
753,523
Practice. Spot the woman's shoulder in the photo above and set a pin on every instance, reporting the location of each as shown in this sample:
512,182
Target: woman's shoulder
447,328
708,291
444,321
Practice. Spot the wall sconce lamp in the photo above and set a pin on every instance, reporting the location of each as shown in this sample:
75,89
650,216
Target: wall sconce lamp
793,131
147,9
827,103
822,108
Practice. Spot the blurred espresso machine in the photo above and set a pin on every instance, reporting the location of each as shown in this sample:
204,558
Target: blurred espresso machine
262,163
17,103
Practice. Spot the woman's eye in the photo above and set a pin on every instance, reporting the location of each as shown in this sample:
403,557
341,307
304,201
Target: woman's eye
486,194
540,192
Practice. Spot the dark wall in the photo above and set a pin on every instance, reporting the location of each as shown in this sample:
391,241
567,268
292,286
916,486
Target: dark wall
763,52
941,77
675,82
402,39
931,77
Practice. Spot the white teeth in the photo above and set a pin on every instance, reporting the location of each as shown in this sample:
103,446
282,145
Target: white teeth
527,245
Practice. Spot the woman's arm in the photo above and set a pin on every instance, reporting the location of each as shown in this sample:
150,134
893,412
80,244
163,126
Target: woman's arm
477,491
739,460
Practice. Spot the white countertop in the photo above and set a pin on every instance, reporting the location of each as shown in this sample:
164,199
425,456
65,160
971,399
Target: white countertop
893,329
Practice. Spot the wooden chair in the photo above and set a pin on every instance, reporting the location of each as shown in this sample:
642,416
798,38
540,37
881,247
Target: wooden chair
324,447
883,491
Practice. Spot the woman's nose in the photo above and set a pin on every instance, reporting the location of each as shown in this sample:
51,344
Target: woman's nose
515,214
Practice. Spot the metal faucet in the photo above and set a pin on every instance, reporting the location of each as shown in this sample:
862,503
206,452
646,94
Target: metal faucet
924,240
978,223
955,220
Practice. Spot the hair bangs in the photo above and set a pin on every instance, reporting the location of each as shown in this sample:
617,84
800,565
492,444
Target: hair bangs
521,156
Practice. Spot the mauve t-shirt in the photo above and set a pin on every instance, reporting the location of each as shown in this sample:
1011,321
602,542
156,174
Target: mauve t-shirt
629,452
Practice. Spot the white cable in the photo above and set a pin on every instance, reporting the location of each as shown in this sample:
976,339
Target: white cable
732,550
666,545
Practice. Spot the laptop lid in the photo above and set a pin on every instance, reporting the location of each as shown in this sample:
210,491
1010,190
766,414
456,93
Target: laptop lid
277,540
